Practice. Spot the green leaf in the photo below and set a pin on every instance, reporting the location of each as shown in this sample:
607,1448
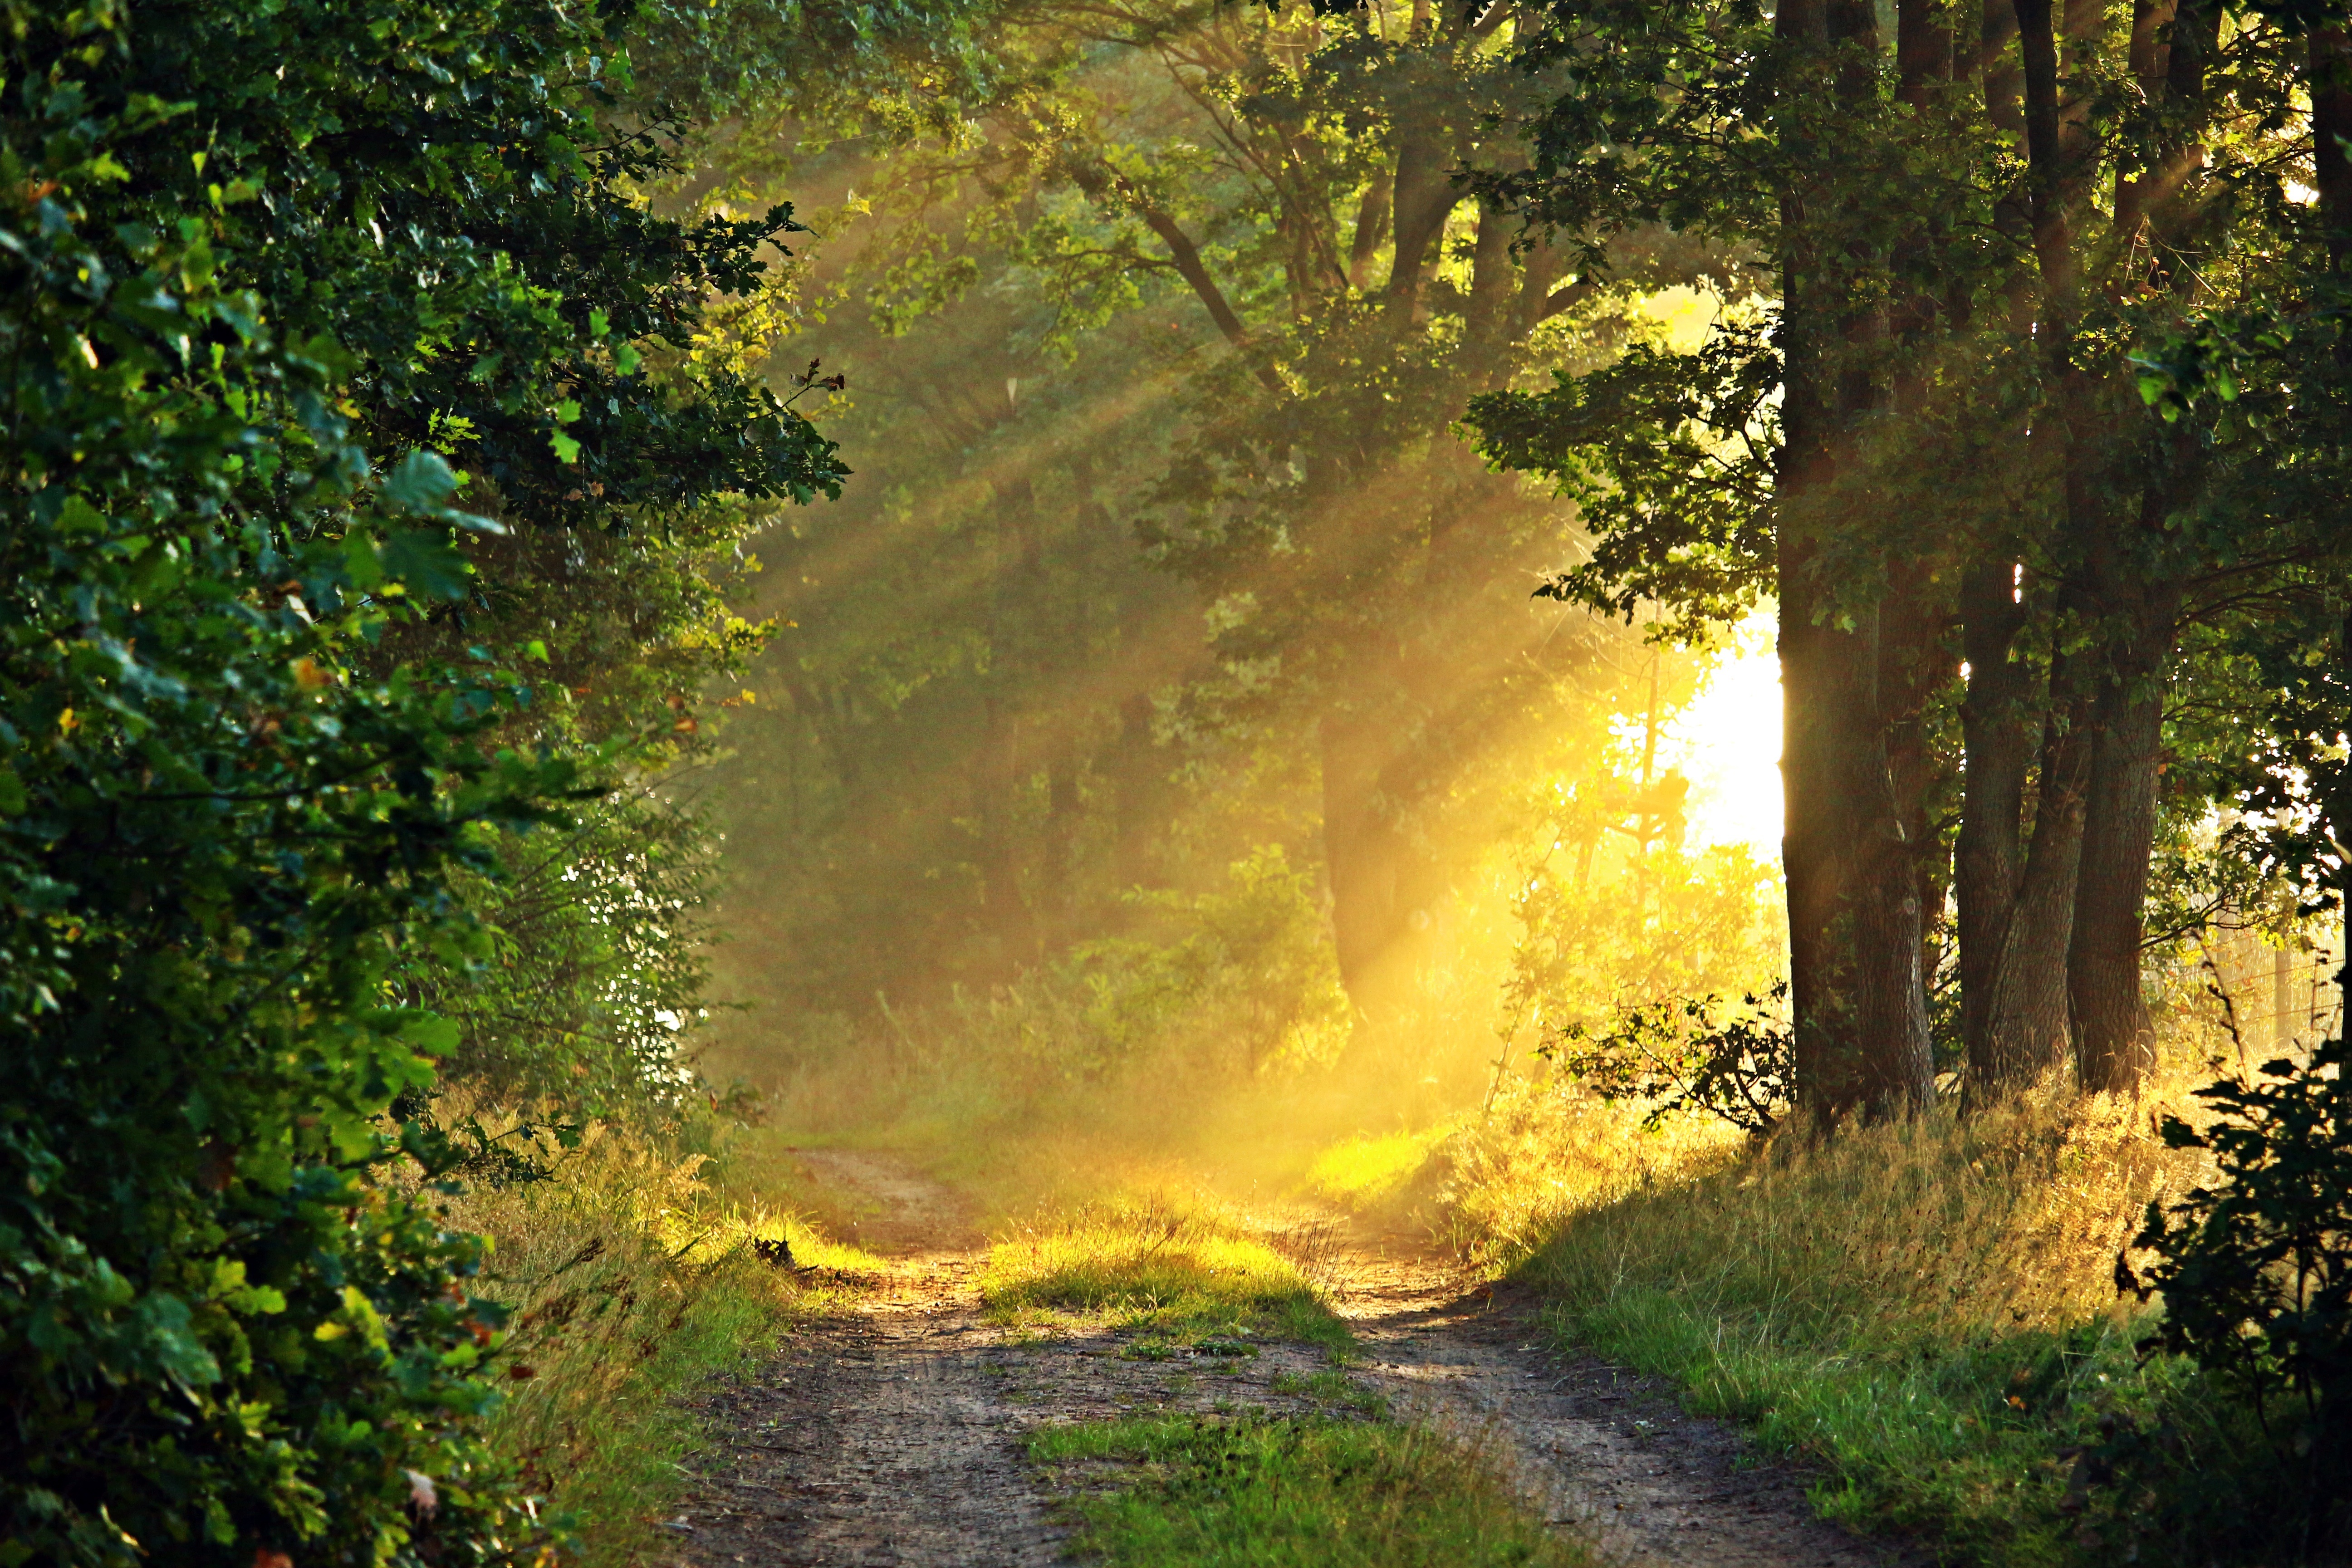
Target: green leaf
426,563
420,483
361,562
429,1035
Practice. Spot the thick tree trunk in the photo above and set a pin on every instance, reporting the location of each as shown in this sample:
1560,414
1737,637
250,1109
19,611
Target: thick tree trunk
2112,1037
1994,724
1371,228
1814,860
2331,126
2114,1040
1887,749
1425,196
2028,1026
1372,863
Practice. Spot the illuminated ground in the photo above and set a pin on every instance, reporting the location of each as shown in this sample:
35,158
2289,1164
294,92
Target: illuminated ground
894,1435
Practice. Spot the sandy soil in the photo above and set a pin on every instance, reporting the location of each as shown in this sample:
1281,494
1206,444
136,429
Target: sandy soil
894,1435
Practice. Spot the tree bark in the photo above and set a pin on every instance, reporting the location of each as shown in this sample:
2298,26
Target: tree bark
1888,752
2028,1028
2000,747
1813,858
2114,1039
2331,126
1371,228
1426,197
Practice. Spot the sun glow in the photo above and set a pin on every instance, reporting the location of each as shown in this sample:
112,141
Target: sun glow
1727,742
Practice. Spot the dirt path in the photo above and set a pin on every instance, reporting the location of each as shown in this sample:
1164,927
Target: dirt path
895,1436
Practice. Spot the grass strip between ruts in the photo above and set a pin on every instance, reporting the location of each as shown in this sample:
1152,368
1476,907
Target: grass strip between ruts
1256,1491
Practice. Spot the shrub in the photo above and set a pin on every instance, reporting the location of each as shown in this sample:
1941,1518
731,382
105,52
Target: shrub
1679,1055
271,273
2256,1265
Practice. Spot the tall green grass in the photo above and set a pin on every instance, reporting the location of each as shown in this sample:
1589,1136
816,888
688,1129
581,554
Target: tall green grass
1928,1313
631,1279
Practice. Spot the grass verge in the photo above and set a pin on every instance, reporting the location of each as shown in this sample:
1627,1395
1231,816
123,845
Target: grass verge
1928,1313
1174,1275
630,1279
1284,1492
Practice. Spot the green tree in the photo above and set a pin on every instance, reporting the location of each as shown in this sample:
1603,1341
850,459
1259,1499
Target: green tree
1972,245
270,272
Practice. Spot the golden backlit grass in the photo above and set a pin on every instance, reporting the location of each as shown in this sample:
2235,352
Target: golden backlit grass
1175,1273
630,1277
1370,1170
1927,1310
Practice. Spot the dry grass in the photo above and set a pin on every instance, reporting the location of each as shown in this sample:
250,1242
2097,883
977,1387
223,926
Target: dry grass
630,1277
1170,1270
2012,1220
1927,1311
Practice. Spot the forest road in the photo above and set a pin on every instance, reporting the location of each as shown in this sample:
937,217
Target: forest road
893,1435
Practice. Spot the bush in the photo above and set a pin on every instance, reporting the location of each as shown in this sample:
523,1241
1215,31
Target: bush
281,282
2256,1267
1678,1056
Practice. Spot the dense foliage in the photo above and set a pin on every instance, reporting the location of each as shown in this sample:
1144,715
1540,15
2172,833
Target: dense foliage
285,285
2034,433
2256,1267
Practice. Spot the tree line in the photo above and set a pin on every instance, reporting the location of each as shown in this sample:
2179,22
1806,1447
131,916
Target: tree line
2045,440
2019,410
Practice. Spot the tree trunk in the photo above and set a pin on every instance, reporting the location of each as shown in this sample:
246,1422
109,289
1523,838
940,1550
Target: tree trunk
1367,855
2114,1039
2028,1027
1371,228
1994,723
1888,748
1425,196
1813,861
2331,126
1002,909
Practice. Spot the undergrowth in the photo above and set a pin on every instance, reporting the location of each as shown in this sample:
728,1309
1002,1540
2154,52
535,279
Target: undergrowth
631,1277
1278,1492
1173,1273
1928,1313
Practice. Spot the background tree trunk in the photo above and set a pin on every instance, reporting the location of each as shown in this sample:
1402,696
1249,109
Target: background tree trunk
1370,860
1988,861
2114,1039
2028,1028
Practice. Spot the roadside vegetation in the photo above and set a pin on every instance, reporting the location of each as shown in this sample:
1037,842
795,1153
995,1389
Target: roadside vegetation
1698,652
1172,1276
633,1270
1290,1492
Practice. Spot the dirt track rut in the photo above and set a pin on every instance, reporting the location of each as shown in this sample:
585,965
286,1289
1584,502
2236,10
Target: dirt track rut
893,1437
